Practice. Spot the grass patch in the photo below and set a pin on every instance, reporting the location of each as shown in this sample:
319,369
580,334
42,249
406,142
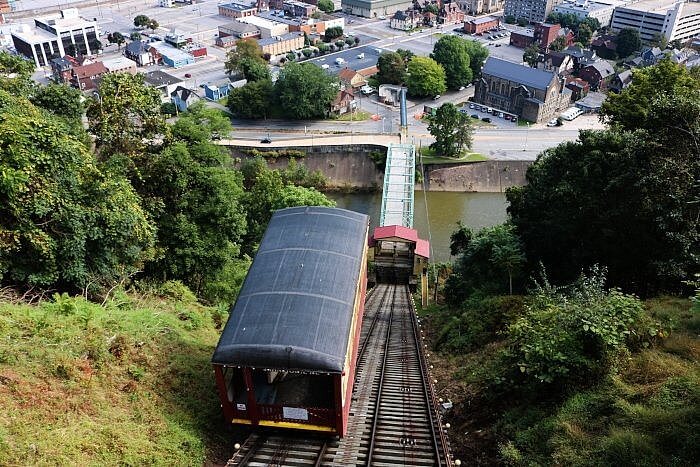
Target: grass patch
524,123
353,117
430,157
223,101
127,383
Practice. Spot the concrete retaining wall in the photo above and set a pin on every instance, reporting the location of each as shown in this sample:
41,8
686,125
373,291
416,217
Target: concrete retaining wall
483,177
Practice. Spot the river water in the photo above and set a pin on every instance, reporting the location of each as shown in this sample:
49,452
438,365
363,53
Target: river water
475,210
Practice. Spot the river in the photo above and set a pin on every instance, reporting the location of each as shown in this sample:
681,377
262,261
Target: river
475,210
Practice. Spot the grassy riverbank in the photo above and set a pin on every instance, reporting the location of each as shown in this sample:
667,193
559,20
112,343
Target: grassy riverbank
125,383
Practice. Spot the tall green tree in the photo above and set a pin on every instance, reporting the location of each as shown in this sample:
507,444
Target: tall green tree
59,99
426,77
477,56
333,33
141,21
451,129
628,42
531,55
245,53
125,115
489,262
254,100
305,91
326,6
392,68
451,52
116,38
254,70
64,221
584,34
199,123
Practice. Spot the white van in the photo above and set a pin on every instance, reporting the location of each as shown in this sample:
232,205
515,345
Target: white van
571,113
339,61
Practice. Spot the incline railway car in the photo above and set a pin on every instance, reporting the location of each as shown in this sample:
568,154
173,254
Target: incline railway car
286,357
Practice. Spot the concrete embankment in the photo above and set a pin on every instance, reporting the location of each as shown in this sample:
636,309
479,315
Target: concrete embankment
352,167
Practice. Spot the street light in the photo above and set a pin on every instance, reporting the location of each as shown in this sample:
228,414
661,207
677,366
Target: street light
527,131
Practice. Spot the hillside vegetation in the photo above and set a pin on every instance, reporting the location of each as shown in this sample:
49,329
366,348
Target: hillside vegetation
127,383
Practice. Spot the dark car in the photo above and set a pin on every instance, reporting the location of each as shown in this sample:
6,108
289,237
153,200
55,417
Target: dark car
266,140
475,116
187,75
486,119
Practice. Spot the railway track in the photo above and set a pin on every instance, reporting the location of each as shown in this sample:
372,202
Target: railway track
393,418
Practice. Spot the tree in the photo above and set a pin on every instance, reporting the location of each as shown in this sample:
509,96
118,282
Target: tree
584,34
323,48
153,25
305,91
59,99
307,52
125,114
659,40
141,21
406,55
357,41
558,44
72,50
477,56
522,22
451,53
254,70
392,69
16,74
451,129
510,19
532,55
431,8
246,52
350,41
591,22
333,33
628,42
135,36
253,100
460,238
426,77
199,123
116,38
340,44
326,6
65,222
489,262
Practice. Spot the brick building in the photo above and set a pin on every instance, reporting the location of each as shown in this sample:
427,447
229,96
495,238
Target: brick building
480,25
282,44
532,94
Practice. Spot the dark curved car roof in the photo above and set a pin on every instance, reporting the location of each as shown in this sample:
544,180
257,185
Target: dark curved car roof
295,308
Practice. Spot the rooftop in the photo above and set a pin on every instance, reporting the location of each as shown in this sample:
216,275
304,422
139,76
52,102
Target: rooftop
351,59
283,37
482,20
260,21
295,308
662,6
118,63
237,6
159,78
68,19
239,26
533,77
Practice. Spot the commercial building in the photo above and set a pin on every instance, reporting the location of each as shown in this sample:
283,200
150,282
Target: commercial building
267,27
164,82
666,18
582,9
374,8
56,36
237,10
120,65
169,55
282,44
480,25
532,11
139,52
406,20
532,94
296,8
238,30
480,7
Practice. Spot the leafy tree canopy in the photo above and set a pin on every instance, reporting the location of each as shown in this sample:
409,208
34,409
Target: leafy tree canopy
451,52
426,77
392,68
326,6
199,123
141,21
64,222
254,70
628,41
59,99
16,74
477,56
125,114
252,100
531,55
451,129
305,91
245,53
333,33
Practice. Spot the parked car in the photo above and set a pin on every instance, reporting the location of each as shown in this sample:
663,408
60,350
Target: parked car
475,116
471,106
464,110
187,75
437,97
552,122
266,140
486,119
498,45
500,114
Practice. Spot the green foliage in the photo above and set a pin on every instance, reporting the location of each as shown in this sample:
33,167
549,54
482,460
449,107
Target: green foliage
559,44
125,115
392,68
326,6
116,38
15,74
509,19
199,123
522,22
135,36
628,41
426,77
333,33
489,261
254,100
379,159
245,53
451,129
431,8
305,91
477,56
532,55
59,99
615,198
572,337
254,70
584,34
340,44
141,21
451,52
63,221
